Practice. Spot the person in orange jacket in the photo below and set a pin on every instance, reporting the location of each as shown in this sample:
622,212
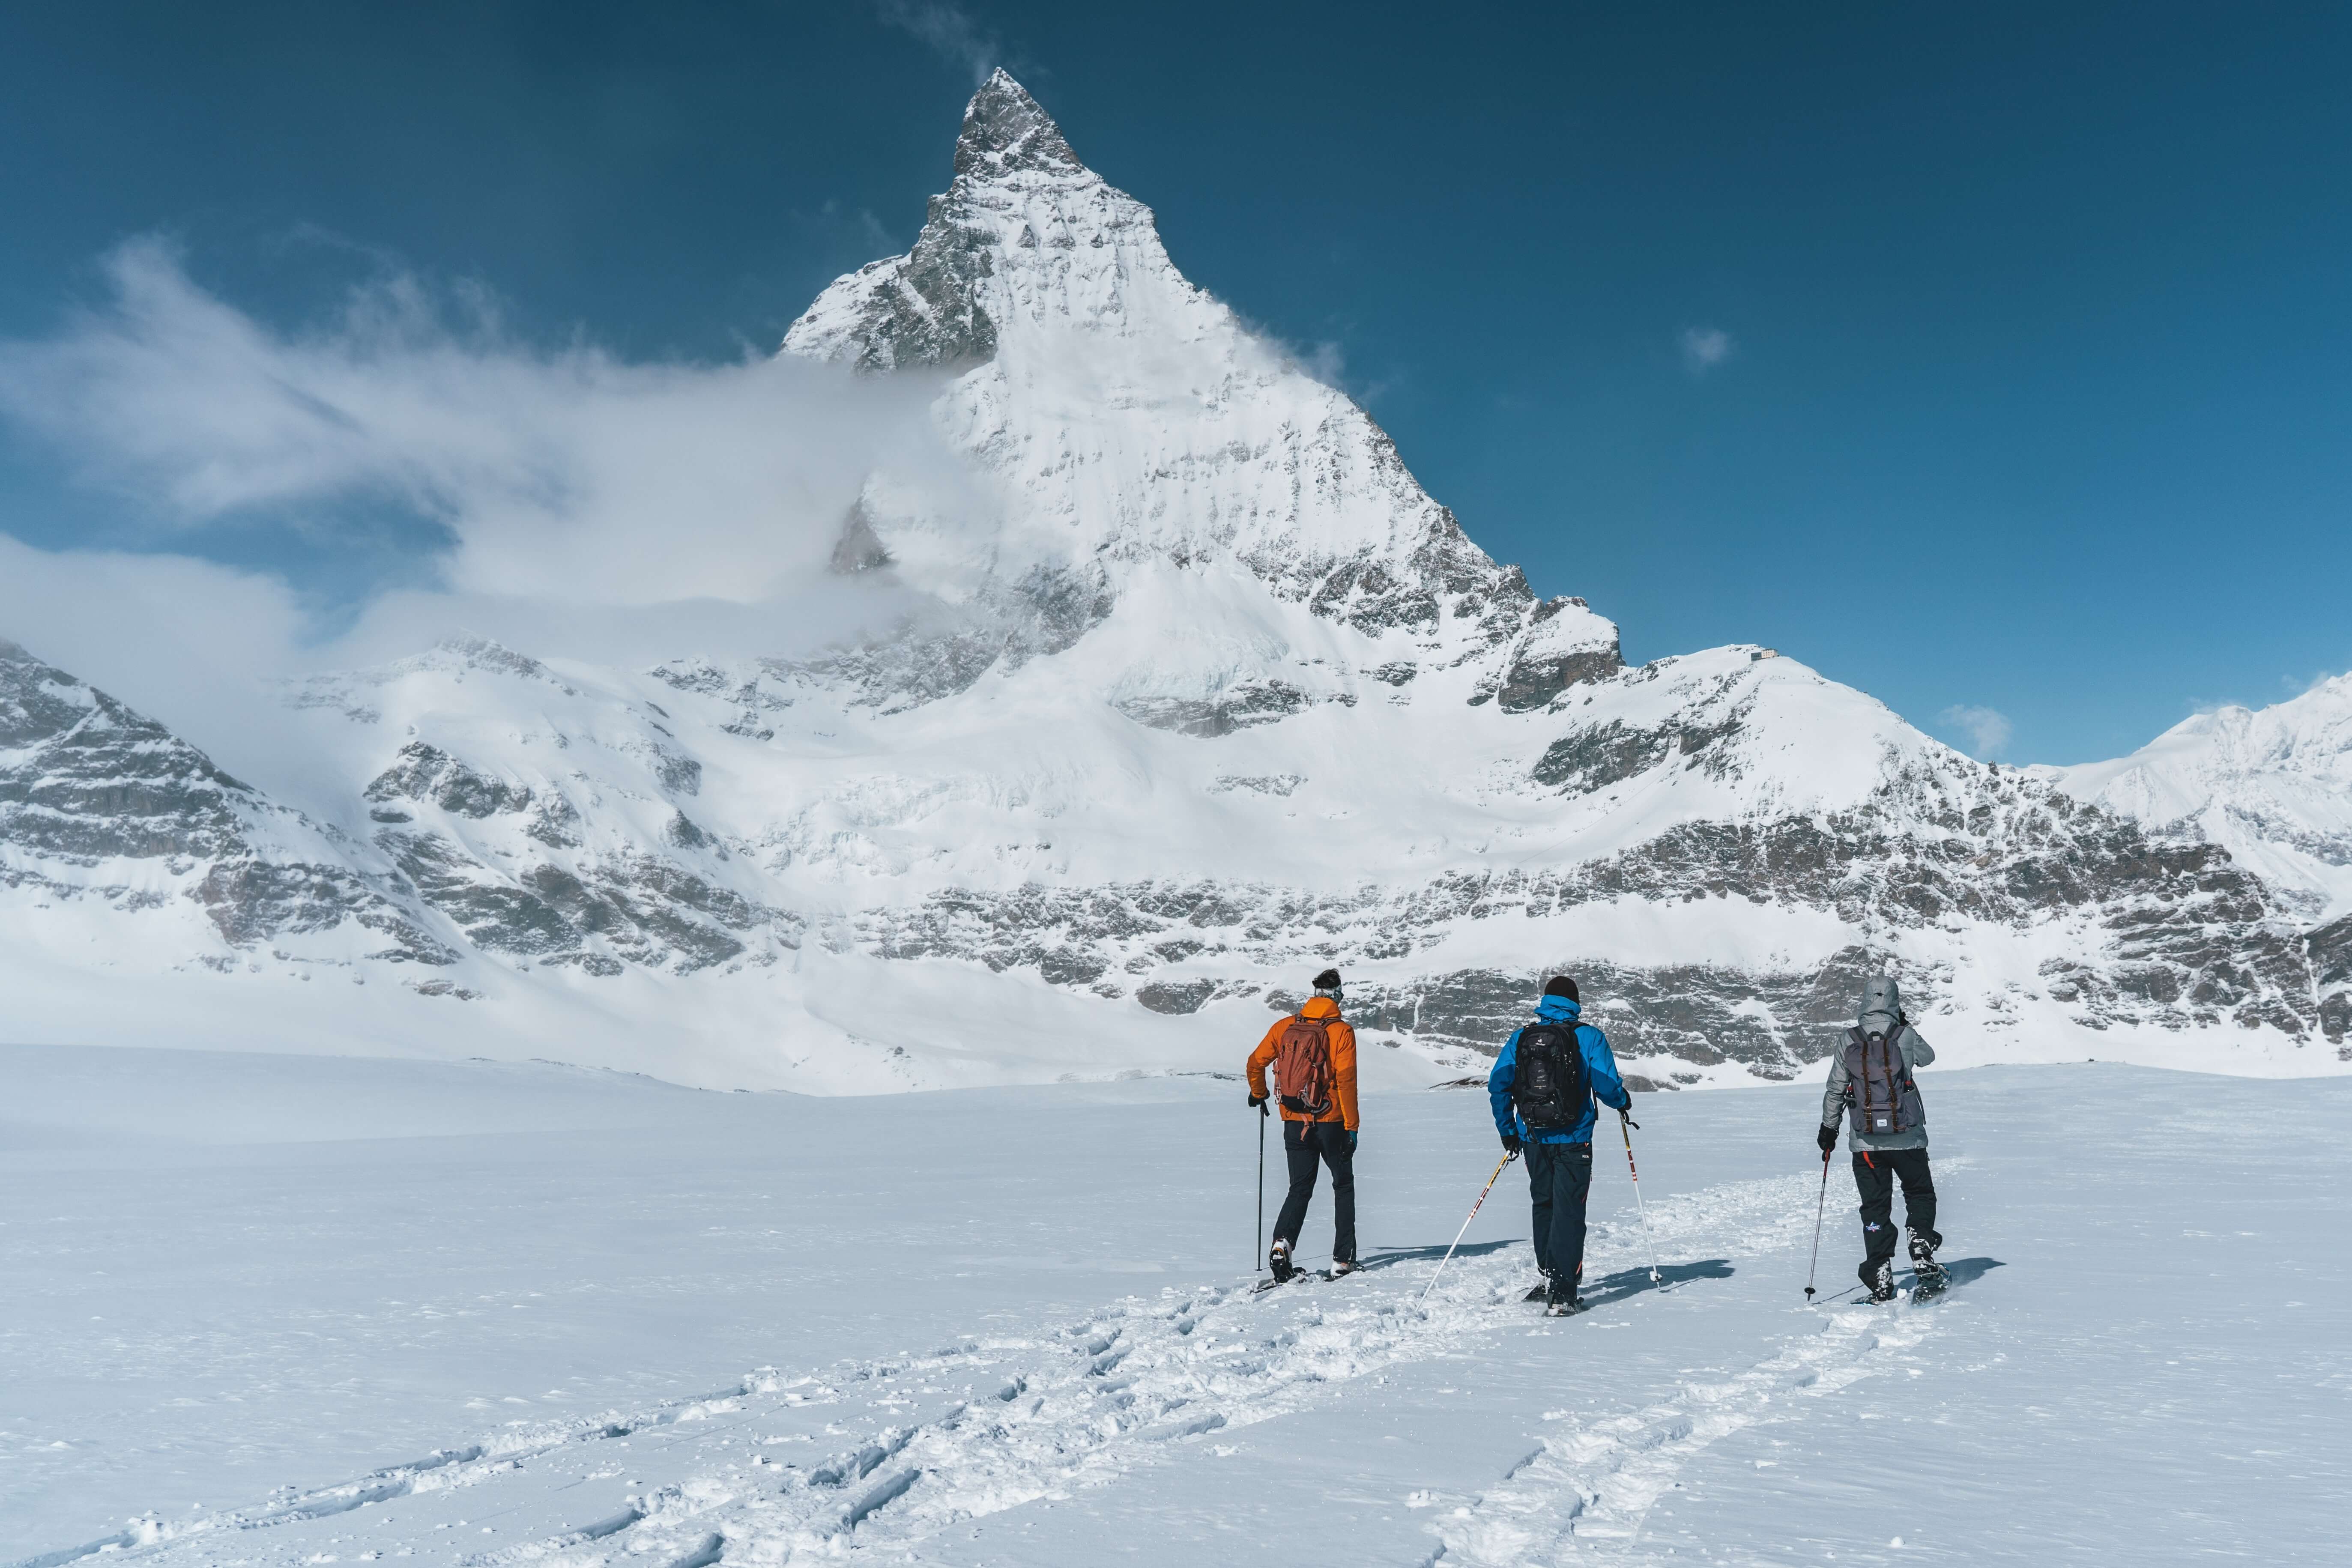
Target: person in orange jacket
1313,1054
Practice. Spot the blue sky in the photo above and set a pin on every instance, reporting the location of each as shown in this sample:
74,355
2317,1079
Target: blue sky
1988,358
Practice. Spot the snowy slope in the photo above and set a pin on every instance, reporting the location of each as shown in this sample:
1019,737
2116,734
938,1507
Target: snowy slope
2274,786
284,1310
1201,692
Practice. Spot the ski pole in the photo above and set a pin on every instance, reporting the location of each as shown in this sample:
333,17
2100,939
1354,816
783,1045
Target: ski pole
1507,1159
1261,1114
1820,1207
1624,1122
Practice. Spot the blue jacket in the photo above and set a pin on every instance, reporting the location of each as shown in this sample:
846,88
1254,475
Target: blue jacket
1600,1066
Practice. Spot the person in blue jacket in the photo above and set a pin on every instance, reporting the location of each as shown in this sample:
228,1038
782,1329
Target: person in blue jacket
1543,1109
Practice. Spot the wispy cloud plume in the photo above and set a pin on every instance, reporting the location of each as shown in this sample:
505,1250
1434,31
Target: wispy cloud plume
1988,729
589,506
566,474
1705,348
948,30
842,234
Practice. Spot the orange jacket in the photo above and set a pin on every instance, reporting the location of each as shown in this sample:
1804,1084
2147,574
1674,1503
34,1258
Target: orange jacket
1343,1062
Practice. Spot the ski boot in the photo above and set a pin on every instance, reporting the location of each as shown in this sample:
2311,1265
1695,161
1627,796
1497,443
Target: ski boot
1880,1278
1929,1276
1277,1260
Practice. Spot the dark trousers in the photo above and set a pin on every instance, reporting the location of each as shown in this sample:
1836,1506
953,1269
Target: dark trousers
1874,1176
1307,1144
1560,1176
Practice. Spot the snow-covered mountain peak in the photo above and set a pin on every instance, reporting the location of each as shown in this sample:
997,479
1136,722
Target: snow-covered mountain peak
1196,692
1004,131
1125,423
1026,242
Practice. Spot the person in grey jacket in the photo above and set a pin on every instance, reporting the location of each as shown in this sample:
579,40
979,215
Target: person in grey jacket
1870,1087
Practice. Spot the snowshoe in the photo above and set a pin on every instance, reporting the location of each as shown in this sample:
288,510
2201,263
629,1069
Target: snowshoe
1560,1299
1541,1294
1928,1277
1880,1278
1341,1266
1277,1262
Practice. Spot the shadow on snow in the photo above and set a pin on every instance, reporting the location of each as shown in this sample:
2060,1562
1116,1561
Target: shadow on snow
1389,1256
1634,1281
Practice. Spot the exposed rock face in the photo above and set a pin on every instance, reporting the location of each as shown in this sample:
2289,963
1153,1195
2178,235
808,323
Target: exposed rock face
427,774
2330,948
1554,654
593,862
99,801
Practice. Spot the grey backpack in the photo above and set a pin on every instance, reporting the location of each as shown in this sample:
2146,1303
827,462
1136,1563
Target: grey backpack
1880,1097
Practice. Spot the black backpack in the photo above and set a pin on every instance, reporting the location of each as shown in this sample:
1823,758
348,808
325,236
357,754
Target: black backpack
1551,1087
1881,1099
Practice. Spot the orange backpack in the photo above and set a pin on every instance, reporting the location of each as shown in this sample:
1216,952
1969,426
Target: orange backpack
1302,1068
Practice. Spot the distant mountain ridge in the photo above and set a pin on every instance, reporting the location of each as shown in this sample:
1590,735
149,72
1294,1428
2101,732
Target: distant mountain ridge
2273,785
1205,692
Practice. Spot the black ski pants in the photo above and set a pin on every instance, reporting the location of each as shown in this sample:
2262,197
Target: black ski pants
1874,1176
1306,1145
1560,1176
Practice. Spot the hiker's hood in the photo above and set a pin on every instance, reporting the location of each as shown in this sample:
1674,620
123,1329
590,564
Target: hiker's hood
1882,1003
1319,1007
1556,1010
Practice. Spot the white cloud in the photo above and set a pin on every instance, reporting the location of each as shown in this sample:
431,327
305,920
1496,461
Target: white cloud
594,508
948,29
1327,362
565,475
1704,348
1987,728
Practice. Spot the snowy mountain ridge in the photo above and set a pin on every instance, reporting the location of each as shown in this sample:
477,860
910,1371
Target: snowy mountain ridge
1207,693
2274,786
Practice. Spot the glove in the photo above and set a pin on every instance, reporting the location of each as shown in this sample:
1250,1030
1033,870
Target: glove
1352,1141
1511,1145
1257,1102
1828,1139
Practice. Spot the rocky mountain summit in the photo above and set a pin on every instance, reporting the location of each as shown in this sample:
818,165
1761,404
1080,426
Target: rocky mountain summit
1201,692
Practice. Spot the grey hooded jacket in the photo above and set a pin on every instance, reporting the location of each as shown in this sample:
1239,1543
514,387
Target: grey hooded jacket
1882,1004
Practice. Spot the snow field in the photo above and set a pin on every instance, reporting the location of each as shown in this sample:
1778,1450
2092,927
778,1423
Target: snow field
1014,1326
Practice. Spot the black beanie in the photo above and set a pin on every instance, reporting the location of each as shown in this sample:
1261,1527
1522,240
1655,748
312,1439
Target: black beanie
1561,985
1328,980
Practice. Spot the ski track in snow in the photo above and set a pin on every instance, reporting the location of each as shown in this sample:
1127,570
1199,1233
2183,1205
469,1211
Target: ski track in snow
1014,1421
1588,1491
